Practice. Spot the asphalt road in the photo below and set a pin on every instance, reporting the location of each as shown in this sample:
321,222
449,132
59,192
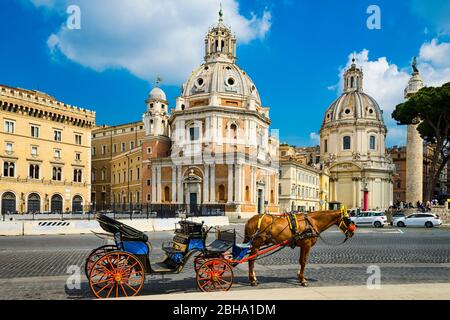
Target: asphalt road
39,267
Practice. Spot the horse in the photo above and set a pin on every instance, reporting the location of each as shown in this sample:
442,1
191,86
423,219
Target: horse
268,229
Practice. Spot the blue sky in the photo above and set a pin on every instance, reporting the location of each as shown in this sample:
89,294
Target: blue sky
293,50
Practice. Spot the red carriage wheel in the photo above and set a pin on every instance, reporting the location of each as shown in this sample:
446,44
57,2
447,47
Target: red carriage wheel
95,255
116,274
214,275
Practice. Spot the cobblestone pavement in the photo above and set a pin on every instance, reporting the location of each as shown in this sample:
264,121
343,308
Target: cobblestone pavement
36,267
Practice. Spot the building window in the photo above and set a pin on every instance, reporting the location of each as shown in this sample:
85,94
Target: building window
138,173
57,135
57,174
221,192
34,171
35,131
131,145
325,143
148,182
122,147
346,142
372,143
131,175
148,196
166,194
78,139
9,126
34,151
194,133
57,154
247,194
77,156
103,149
103,174
118,177
114,148
9,147
149,150
9,169
77,174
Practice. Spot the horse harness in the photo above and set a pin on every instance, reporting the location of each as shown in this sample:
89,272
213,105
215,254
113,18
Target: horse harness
293,223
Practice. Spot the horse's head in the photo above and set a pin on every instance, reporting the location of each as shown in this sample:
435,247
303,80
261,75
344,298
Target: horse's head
346,225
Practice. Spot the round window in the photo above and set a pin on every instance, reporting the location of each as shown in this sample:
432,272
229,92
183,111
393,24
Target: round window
200,82
370,111
231,81
347,111
328,116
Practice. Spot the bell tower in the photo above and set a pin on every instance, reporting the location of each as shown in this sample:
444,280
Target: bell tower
353,78
220,43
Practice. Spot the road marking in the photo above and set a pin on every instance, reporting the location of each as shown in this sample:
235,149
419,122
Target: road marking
361,231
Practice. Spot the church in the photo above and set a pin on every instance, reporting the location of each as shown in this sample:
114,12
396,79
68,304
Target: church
353,147
214,146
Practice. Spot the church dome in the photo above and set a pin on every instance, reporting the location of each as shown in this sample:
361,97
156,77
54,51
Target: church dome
157,94
353,104
221,77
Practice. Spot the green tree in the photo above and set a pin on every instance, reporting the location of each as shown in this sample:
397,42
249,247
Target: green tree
430,109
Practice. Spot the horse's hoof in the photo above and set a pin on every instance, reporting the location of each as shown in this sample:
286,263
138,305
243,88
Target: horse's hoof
304,284
254,283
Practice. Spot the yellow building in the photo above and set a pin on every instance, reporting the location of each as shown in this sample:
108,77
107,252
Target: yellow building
45,153
117,164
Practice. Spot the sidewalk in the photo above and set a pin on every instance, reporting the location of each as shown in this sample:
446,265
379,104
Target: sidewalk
423,291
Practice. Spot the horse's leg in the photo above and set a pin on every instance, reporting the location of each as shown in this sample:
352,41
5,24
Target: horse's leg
251,268
304,252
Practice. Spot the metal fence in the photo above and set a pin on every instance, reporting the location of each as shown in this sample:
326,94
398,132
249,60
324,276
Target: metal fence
126,211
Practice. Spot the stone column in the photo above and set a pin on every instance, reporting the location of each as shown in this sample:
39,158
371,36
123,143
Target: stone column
230,183
206,184
174,184
414,165
158,185
212,185
237,180
153,185
180,185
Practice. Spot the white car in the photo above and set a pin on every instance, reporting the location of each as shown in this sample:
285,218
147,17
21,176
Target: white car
427,220
375,219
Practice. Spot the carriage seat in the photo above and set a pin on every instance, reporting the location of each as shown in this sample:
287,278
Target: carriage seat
225,240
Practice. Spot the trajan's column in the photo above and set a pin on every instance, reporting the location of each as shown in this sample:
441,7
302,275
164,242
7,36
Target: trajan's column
414,146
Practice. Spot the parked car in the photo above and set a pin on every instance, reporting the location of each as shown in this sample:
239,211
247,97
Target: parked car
396,216
376,219
427,220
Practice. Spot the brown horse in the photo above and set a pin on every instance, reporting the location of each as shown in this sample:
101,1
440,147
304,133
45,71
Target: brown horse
273,229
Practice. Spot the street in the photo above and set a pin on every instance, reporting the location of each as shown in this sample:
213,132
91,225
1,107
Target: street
36,267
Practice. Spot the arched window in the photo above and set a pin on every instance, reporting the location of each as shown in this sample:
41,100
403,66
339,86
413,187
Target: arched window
233,131
221,193
34,171
352,80
56,204
272,198
8,203
9,169
346,142
77,204
372,142
247,193
57,174
166,194
77,174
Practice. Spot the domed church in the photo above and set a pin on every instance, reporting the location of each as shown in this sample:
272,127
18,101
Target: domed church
352,146
214,147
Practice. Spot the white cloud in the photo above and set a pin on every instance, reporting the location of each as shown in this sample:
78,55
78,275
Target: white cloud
314,137
148,37
385,81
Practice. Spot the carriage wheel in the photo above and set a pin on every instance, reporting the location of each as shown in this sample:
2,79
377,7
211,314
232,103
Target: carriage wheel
95,255
116,274
198,261
214,275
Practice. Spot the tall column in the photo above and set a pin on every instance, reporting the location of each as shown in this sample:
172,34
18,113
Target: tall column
212,184
253,185
206,184
230,183
180,185
414,165
153,184
174,184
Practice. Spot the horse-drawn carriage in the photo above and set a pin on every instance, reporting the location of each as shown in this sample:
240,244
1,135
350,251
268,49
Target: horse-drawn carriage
119,270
